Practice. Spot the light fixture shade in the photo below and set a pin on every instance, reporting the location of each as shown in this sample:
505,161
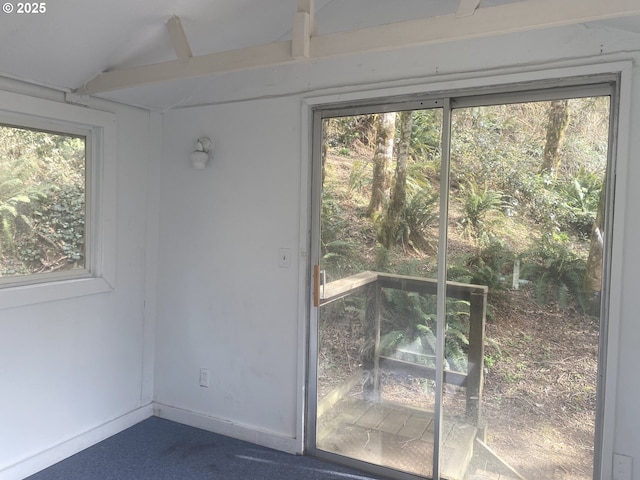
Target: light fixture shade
200,156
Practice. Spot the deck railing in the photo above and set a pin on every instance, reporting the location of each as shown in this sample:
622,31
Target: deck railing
371,284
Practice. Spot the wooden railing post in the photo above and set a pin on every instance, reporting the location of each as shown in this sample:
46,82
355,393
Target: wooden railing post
371,357
475,368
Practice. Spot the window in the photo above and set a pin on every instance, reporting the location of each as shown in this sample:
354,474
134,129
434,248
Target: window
43,204
57,200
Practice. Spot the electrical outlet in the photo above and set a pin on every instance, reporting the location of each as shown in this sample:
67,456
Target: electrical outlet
621,467
204,377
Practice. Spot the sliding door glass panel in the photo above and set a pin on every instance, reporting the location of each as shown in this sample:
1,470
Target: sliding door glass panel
527,225
377,316
505,386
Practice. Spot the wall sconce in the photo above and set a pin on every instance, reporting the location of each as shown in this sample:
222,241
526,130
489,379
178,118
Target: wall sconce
200,156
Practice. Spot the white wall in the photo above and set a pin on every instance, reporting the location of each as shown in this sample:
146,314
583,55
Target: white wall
72,371
224,304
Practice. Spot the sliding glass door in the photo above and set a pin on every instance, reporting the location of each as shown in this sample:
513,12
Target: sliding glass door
460,246
369,407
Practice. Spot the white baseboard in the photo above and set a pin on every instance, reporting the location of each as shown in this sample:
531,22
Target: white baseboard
42,460
230,429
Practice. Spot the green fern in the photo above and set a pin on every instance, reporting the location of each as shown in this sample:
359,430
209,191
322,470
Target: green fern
478,203
558,272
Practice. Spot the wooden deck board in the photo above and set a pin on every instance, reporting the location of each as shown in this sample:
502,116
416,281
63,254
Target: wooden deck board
373,416
394,421
415,428
395,437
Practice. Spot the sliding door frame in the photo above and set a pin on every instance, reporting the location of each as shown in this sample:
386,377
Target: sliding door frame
572,82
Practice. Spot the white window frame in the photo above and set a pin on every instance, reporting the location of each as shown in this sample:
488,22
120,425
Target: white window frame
99,127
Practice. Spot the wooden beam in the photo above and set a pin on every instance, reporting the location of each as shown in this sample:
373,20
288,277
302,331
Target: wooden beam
179,40
301,38
308,6
302,30
305,6
496,20
345,286
499,19
254,57
467,8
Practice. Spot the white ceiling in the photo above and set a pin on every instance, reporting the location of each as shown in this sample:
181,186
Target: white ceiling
75,40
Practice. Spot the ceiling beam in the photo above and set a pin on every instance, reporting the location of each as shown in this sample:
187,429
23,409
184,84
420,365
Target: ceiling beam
302,29
179,40
499,19
242,59
467,8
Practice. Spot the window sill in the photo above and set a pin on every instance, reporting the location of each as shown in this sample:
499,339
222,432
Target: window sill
18,296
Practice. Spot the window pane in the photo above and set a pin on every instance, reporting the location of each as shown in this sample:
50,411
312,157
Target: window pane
42,202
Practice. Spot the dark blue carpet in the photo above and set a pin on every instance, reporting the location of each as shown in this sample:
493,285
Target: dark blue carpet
163,450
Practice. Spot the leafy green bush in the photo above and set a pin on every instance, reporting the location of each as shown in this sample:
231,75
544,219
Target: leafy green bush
421,213
340,254
60,218
477,204
343,132
426,135
42,180
360,176
409,329
579,204
55,237
15,194
557,271
489,266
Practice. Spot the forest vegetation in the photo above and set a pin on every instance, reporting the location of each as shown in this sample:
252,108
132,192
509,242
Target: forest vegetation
42,201
526,183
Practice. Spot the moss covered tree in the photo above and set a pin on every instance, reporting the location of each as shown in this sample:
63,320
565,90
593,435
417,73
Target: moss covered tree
385,135
397,203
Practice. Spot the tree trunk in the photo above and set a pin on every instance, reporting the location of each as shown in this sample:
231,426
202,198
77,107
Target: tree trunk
398,201
325,128
594,262
385,131
556,126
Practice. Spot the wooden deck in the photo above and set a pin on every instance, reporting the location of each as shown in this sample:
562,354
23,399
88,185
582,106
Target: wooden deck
362,427
395,436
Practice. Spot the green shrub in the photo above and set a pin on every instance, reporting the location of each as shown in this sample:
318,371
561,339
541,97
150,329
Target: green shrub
579,202
477,204
557,271
489,266
341,255
421,213
55,237
410,322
